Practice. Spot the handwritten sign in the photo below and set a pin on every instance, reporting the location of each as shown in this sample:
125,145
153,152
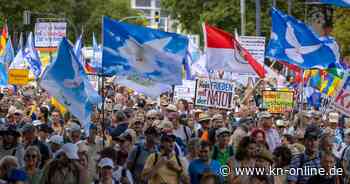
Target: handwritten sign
18,76
185,91
278,101
342,99
214,93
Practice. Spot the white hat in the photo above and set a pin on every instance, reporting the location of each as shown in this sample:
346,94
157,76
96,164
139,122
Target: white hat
70,150
106,162
57,139
74,127
280,122
347,131
333,117
221,131
37,122
171,107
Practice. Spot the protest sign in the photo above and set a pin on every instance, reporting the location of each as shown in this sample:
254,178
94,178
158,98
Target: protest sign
342,99
185,91
18,76
214,93
49,34
255,46
278,101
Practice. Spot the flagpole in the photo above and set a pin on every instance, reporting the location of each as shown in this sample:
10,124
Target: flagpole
102,91
258,17
243,17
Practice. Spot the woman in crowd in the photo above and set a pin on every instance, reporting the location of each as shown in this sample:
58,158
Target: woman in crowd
32,159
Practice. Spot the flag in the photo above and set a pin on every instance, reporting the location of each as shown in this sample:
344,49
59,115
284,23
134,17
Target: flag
224,53
65,79
342,3
78,45
148,88
143,53
198,68
3,75
31,56
20,42
294,42
57,105
95,62
3,39
330,84
9,53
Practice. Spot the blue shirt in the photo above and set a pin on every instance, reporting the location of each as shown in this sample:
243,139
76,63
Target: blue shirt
198,167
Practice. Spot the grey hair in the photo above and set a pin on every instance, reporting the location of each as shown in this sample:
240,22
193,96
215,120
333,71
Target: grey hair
37,152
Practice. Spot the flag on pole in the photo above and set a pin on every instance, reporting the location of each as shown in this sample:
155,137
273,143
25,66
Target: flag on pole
142,53
9,53
341,3
294,42
78,49
65,79
3,39
95,62
224,53
31,56
3,75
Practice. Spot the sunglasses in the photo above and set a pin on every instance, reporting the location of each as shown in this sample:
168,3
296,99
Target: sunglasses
152,118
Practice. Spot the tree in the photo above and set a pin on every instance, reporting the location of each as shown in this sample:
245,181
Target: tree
341,30
80,14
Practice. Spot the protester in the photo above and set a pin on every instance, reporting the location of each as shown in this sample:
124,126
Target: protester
32,158
166,166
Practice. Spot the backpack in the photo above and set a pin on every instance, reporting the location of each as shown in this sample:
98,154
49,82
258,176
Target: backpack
176,155
216,152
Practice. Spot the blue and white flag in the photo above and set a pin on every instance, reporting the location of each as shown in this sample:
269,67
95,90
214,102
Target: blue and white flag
3,75
65,79
31,56
144,53
9,53
294,42
96,60
78,49
342,3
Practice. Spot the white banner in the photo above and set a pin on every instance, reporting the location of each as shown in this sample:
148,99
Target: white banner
255,46
185,91
49,34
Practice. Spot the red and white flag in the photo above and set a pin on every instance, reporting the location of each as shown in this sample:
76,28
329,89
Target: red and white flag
224,53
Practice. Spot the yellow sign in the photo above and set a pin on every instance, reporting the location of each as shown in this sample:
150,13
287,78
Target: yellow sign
278,101
18,76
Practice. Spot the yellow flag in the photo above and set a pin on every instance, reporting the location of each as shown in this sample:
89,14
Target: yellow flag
58,105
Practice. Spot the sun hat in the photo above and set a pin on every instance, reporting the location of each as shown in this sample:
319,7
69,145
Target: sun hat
106,162
70,150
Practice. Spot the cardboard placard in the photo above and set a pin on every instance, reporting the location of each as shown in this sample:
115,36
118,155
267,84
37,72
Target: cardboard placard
278,101
214,93
18,76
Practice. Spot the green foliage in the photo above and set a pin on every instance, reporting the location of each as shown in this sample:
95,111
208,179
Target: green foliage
341,30
81,15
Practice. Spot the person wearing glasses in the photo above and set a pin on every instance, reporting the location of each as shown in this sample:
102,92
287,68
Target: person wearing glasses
32,159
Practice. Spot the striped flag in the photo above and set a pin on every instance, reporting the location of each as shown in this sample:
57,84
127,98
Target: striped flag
3,39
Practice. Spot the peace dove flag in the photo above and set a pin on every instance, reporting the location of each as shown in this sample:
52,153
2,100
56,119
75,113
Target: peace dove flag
295,43
65,79
143,54
224,53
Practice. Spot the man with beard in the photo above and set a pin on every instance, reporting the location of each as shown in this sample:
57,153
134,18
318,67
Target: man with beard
166,166
10,145
203,164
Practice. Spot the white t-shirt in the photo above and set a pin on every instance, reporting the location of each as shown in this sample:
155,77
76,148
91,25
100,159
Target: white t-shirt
180,132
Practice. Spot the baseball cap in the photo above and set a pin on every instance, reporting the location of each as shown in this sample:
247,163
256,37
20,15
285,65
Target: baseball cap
312,131
106,162
70,150
280,123
221,131
56,139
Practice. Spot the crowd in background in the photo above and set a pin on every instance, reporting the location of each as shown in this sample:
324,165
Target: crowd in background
139,140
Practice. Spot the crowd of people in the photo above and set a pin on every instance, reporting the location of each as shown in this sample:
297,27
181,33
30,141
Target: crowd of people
139,140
